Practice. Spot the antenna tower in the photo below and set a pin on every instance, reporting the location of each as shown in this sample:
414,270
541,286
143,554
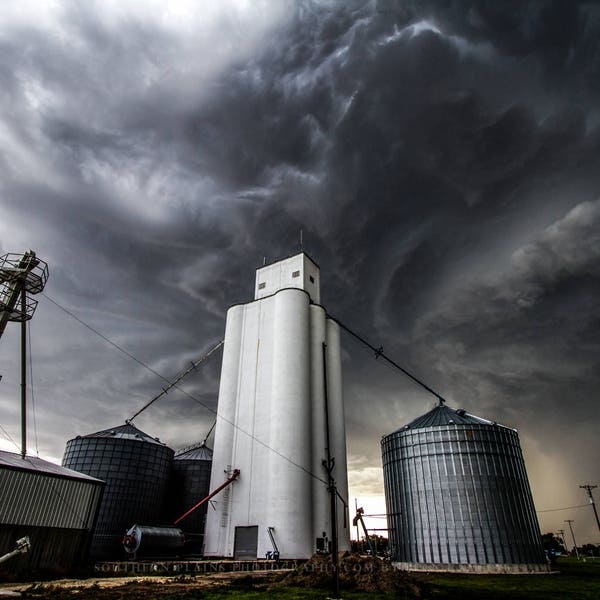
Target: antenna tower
20,274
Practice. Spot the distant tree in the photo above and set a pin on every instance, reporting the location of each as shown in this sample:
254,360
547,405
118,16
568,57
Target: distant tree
590,550
379,542
553,544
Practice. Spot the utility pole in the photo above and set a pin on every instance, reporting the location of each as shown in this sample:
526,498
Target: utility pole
562,537
569,521
23,375
588,488
329,465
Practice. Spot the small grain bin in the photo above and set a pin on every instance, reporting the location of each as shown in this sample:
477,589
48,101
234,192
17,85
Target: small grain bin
136,470
190,482
458,497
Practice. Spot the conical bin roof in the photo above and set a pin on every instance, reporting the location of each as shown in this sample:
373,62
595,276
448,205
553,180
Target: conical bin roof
445,415
127,432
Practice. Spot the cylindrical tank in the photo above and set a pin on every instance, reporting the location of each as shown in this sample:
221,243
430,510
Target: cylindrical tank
145,540
458,497
337,428
190,483
136,470
320,493
289,503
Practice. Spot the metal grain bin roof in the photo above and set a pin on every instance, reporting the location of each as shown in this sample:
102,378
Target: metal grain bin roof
444,415
125,432
196,452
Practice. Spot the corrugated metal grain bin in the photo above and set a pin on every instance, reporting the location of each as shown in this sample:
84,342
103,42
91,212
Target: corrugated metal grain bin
458,497
136,470
54,506
190,483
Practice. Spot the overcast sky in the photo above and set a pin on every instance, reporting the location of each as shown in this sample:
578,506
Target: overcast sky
442,159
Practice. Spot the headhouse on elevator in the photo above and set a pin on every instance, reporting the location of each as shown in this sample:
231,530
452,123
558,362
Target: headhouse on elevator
281,385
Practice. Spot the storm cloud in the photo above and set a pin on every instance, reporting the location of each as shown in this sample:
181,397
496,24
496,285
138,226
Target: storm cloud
441,158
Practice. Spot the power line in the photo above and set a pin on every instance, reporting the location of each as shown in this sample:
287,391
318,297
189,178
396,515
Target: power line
192,397
380,353
114,344
9,438
209,431
556,509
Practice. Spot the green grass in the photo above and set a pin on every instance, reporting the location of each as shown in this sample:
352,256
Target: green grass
576,580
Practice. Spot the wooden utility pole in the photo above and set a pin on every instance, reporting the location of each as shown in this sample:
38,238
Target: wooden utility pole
569,521
588,488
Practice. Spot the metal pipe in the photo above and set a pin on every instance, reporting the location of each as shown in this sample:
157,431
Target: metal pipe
173,383
23,375
234,476
23,545
379,352
359,518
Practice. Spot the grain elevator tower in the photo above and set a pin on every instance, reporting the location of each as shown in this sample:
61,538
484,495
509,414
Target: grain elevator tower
281,384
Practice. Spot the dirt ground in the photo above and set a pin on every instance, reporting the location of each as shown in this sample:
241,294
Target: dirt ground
132,588
357,573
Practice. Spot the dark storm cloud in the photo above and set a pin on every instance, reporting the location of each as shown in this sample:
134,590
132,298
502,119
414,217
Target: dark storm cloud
442,159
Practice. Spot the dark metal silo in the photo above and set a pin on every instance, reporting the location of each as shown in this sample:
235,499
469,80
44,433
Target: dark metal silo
458,497
135,467
190,483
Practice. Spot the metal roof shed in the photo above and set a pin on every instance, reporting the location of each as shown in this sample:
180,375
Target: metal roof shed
56,507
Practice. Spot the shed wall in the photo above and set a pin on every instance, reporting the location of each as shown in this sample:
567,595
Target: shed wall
38,499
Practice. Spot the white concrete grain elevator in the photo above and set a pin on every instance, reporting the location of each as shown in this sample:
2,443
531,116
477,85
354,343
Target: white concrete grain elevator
281,384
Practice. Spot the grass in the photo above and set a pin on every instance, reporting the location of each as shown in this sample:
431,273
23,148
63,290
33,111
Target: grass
576,580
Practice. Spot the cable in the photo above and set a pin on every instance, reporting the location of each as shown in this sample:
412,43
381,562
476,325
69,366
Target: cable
37,451
212,410
209,431
566,508
9,438
119,348
379,352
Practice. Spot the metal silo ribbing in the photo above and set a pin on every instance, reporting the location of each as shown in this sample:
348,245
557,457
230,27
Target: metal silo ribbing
457,493
190,483
136,470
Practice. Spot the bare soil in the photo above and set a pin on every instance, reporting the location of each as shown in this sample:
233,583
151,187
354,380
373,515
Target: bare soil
357,572
136,588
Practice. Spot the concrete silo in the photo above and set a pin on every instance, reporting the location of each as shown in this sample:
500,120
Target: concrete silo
280,385
136,470
458,497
